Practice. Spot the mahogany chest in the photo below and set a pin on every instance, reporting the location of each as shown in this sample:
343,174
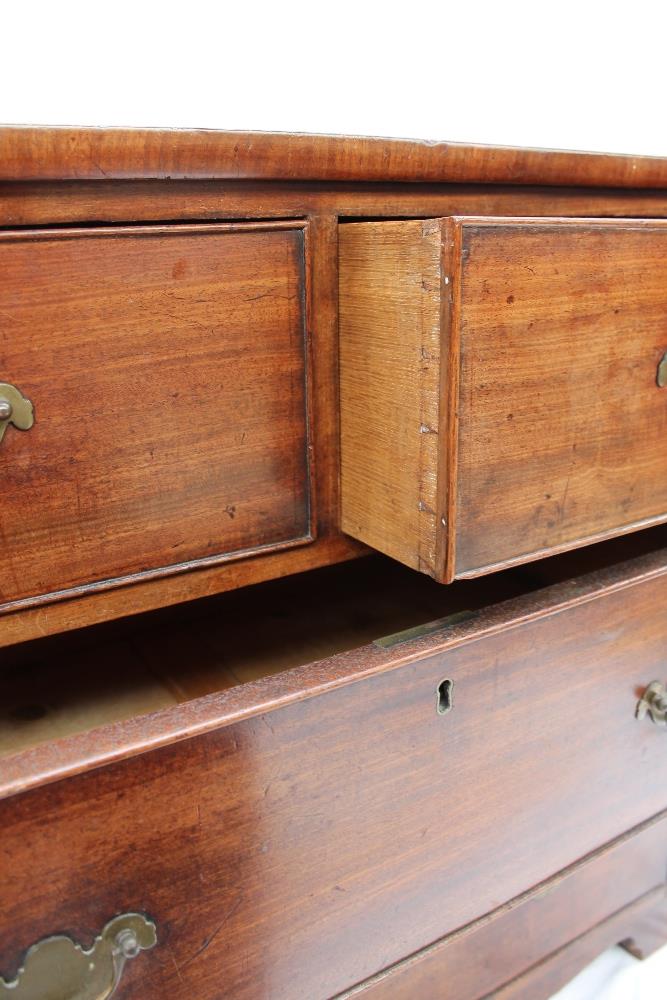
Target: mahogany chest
334,566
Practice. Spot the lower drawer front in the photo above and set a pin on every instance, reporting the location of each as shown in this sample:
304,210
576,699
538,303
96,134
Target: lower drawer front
618,887
295,851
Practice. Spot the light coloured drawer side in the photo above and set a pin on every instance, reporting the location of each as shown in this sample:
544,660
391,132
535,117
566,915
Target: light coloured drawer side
336,816
167,370
501,393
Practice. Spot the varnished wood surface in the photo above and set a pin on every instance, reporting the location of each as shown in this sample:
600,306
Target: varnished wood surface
334,827
98,606
168,370
561,424
48,689
330,546
33,153
548,430
67,757
643,922
627,876
42,203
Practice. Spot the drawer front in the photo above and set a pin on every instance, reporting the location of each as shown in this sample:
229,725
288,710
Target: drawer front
167,371
515,367
313,831
626,876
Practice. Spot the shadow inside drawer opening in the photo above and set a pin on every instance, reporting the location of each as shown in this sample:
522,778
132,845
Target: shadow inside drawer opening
67,684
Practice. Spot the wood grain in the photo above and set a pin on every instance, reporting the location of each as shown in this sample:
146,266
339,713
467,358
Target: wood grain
43,203
168,371
32,153
633,921
549,428
604,576
561,423
624,879
98,606
327,832
390,335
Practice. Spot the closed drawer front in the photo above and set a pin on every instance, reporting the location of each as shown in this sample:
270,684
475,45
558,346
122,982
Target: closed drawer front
613,891
502,386
319,825
167,371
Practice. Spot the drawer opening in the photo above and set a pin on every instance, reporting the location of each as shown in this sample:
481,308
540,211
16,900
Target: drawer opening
73,683
69,684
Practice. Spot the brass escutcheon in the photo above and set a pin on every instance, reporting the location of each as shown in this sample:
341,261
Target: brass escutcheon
14,409
57,968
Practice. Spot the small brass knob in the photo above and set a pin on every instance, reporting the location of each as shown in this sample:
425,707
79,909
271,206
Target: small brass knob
15,409
653,703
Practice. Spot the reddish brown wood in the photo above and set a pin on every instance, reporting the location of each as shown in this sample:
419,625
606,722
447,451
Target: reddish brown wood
29,153
301,830
558,423
504,945
23,204
98,606
336,825
547,977
72,756
499,399
168,371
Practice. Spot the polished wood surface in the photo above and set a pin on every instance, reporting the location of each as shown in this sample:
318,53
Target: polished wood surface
644,921
269,179
33,153
167,367
264,770
43,203
506,407
626,876
337,824
561,424
603,575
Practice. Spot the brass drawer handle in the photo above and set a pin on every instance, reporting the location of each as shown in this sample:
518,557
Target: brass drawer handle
57,968
653,703
661,377
14,409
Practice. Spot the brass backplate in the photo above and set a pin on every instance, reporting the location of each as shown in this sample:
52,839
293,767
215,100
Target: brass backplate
57,968
661,377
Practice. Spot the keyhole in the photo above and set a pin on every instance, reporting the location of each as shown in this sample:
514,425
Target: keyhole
445,696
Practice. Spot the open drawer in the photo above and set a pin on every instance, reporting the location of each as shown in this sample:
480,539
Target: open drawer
503,386
292,829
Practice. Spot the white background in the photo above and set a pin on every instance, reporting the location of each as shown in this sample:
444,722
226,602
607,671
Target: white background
572,75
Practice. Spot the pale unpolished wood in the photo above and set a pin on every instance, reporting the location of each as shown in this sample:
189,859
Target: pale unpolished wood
167,367
390,386
551,426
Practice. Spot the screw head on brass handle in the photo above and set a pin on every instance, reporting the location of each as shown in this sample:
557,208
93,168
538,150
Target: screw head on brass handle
15,409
